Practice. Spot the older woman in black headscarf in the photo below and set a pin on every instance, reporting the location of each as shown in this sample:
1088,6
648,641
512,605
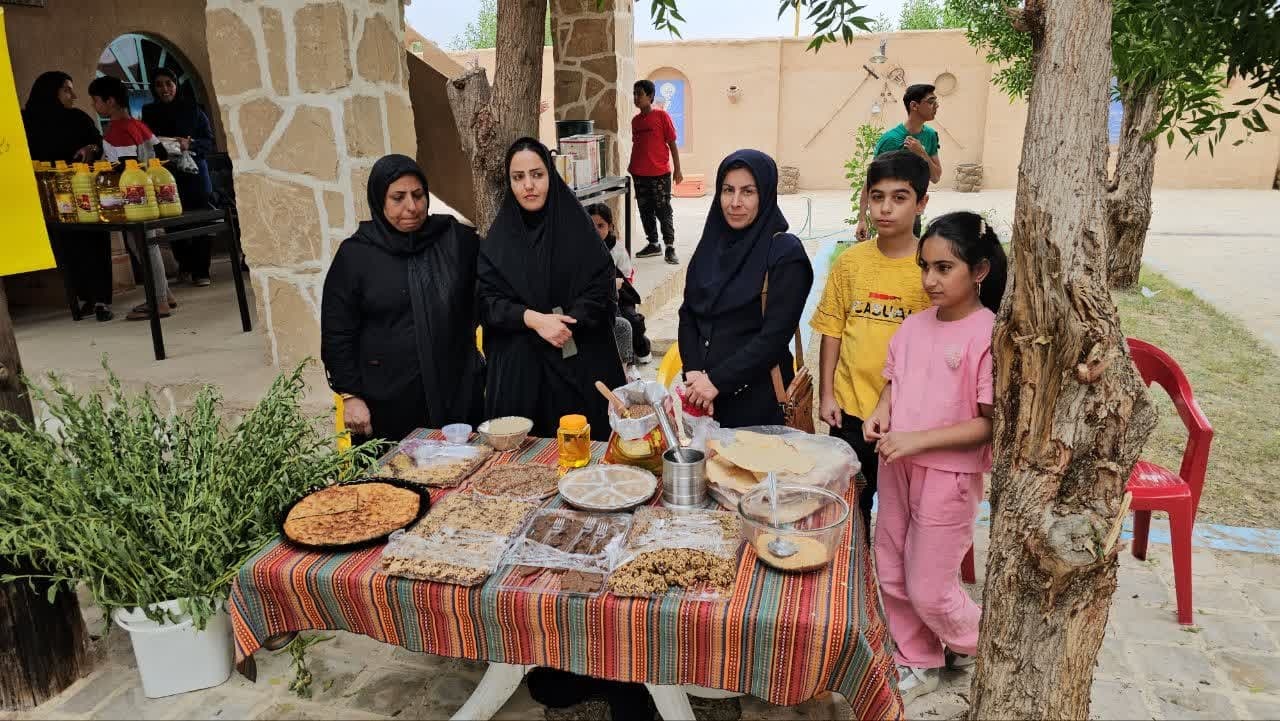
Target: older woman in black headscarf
176,115
397,321
729,343
57,130
547,301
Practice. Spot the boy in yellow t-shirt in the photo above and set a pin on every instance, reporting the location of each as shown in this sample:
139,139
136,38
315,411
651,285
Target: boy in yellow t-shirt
872,287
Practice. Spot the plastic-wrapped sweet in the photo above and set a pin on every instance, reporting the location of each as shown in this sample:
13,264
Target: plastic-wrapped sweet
434,463
694,553
607,487
565,552
461,540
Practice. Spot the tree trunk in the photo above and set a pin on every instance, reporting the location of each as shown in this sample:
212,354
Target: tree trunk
43,646
13,396
1129,195
490,118
1070,414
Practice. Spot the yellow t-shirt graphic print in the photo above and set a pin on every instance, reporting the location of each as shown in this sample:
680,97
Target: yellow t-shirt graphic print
867,297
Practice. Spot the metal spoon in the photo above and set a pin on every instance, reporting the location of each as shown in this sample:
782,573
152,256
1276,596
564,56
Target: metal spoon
780,547
656,395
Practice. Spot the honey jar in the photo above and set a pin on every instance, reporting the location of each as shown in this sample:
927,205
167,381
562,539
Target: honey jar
644,452
574,440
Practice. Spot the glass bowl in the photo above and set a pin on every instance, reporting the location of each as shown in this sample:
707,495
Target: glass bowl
810,519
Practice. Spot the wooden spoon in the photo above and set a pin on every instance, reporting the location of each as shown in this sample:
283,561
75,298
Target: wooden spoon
618,406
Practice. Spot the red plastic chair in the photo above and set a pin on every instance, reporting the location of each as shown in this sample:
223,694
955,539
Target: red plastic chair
1156,488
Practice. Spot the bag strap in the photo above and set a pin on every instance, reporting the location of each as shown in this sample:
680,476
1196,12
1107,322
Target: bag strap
779,390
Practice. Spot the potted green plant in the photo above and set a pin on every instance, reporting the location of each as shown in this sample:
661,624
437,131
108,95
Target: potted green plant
155,513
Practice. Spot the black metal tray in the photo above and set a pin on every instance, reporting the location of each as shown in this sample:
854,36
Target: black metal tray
424,505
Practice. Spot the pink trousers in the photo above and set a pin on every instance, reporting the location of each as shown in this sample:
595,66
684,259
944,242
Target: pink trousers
924,526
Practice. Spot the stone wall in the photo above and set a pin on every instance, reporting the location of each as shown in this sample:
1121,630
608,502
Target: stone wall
594,53
311,94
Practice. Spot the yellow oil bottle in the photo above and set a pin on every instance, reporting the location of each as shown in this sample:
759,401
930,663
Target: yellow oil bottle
85,194
110,199
166,189
64,195
139,193
44,183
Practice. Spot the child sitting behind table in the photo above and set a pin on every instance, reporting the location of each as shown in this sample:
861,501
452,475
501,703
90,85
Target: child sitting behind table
932,431
628,297
871,289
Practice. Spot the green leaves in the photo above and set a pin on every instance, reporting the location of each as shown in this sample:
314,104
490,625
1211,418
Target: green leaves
144,507
1184,48
864,145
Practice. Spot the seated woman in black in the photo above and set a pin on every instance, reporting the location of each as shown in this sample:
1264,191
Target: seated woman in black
397,320
728,344
547,301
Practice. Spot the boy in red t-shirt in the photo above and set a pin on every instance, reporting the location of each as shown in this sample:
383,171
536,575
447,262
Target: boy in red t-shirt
653,135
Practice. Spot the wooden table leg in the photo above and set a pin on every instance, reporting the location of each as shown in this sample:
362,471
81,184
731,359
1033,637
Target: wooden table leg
499,682
248,668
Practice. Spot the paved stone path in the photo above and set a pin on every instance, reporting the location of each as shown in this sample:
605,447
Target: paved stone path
1226,666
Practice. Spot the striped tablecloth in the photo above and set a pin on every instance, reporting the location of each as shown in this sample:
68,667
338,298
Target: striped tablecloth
783,638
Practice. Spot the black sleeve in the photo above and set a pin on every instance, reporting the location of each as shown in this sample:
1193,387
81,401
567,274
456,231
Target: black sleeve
495,308
202,139
86,131
597,304
340,321
688,340
789,284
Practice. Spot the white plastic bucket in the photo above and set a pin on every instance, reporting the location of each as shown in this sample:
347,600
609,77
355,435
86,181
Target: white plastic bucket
175,658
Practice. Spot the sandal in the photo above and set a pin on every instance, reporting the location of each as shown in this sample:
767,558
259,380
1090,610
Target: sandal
143,312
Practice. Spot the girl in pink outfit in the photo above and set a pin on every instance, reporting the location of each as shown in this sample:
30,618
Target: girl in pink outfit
932,430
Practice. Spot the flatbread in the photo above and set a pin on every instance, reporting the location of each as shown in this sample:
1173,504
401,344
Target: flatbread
331,500
763,454
726,475
380,509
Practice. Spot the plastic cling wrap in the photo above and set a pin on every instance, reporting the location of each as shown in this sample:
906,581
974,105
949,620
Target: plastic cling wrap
434,463
833,465
692,552
461,541
566,552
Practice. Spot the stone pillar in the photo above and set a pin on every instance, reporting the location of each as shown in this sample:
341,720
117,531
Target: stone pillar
311,95
595,66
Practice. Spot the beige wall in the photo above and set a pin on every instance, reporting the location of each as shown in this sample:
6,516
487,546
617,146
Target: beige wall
788,94
70,35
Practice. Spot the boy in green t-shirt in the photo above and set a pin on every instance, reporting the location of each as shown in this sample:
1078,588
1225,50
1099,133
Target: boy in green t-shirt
913,135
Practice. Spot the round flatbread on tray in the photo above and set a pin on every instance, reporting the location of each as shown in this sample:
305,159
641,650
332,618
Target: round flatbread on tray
352,513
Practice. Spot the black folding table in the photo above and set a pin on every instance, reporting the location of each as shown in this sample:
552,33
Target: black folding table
191,224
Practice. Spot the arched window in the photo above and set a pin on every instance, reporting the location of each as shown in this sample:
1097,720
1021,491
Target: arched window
133,58
673,94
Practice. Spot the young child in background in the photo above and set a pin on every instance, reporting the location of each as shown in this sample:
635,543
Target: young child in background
871,289
628,297
932,430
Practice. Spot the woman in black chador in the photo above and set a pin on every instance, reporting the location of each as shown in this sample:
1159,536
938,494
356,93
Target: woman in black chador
730,339
547,301
397,323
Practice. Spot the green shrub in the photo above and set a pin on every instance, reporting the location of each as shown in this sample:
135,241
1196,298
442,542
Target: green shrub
143,507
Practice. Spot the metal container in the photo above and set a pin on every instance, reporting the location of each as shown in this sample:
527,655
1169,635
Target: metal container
566,128
684,482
